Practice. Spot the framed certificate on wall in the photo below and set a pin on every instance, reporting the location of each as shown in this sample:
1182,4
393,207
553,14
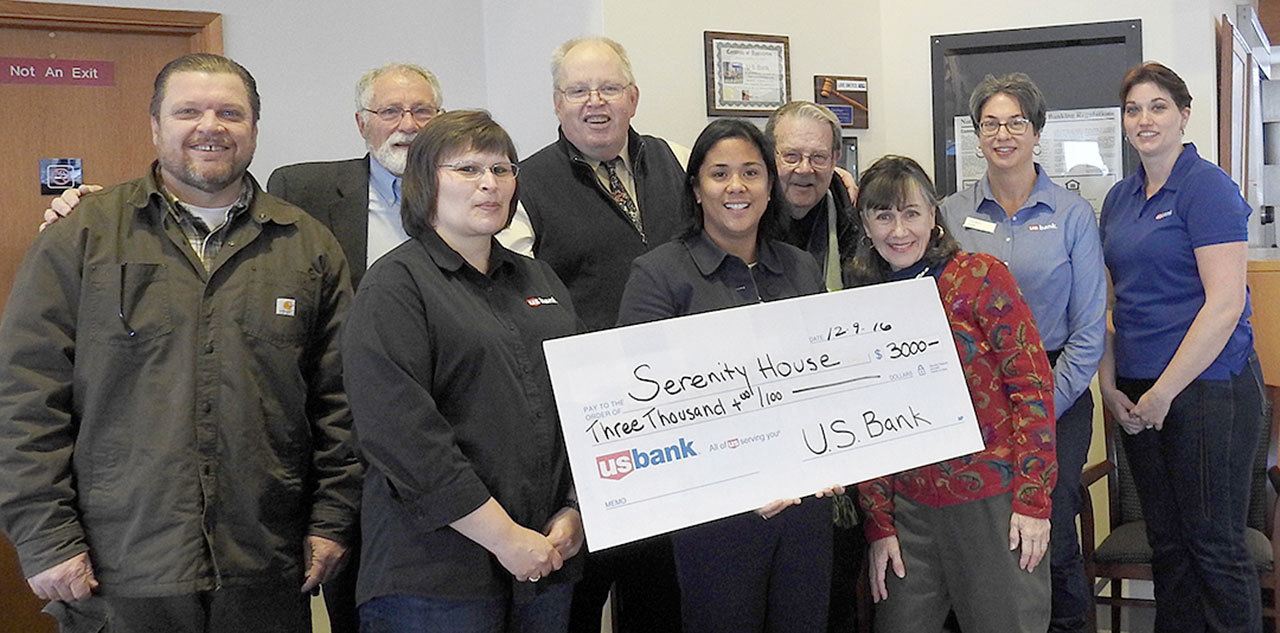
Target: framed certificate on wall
747,74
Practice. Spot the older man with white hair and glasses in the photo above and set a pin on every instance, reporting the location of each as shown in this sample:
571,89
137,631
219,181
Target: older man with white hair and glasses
592,201
359,198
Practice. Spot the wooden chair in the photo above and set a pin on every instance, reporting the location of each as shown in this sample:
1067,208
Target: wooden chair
1125,554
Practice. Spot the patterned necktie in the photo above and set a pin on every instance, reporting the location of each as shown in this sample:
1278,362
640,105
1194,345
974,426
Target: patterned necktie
621,196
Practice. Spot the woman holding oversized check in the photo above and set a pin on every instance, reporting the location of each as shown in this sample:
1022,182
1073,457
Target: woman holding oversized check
943,536
768,570
468,517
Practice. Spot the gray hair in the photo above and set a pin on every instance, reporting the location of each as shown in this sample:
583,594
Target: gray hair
557,57
364,87
1016,85
805,110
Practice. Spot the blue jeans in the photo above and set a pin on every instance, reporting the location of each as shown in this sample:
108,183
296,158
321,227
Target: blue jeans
548,612
1072,597
1193,479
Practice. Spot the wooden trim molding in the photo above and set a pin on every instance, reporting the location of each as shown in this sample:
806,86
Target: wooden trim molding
204,29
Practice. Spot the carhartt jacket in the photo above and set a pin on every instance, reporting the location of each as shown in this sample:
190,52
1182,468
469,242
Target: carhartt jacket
187,429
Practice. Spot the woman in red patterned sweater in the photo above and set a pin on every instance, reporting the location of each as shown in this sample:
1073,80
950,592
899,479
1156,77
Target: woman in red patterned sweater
969,533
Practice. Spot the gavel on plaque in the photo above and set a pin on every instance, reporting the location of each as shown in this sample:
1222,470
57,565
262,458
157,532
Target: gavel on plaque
828,91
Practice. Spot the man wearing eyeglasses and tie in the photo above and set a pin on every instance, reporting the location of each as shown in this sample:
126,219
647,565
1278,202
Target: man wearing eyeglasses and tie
592,201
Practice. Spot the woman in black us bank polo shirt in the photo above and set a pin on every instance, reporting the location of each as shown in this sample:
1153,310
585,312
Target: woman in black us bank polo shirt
467,518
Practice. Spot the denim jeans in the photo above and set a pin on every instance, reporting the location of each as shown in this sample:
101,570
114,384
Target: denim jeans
1072,596
546,613
1193,479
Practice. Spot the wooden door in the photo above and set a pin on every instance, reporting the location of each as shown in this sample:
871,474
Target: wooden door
107,126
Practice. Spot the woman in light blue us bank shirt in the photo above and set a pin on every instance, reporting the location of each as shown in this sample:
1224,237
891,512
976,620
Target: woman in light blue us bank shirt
1048,238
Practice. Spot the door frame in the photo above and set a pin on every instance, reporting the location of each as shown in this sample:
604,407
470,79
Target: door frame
204,30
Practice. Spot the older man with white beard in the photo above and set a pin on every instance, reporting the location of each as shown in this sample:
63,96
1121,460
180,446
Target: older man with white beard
359,199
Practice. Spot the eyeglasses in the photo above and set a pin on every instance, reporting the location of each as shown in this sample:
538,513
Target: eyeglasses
582,94
1015,126
817,160
473,171
392,114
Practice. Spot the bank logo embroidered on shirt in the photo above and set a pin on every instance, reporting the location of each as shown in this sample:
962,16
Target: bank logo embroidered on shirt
286,306
1163,214
535,301
1052,226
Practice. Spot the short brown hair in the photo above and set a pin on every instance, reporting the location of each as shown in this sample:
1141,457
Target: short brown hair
447,134
887,184
1160,75
1016,85
205,63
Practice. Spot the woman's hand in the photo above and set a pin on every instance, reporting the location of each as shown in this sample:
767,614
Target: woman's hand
528,555
1033,535
831,491
564,530
883,553
1152,408
771,509
1121,408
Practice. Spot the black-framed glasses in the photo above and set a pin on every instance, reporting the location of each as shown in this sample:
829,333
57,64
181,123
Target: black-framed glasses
582,94
473,171
818,160
421,114
1015,126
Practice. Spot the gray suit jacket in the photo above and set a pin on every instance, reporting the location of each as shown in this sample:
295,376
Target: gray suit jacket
337,194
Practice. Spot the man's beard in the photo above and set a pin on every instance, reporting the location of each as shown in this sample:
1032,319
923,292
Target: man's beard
211,178
392,157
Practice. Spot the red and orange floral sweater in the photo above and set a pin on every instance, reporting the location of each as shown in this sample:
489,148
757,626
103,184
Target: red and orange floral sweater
1011,384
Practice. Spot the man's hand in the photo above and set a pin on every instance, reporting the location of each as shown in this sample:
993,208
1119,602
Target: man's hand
62,206
847,178
564,530
324,557
1032,535
70,580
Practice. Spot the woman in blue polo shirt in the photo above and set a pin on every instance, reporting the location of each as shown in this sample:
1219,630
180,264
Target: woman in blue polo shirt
1179,373
1048,237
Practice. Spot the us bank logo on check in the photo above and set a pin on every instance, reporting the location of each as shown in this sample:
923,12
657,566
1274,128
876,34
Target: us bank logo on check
623,463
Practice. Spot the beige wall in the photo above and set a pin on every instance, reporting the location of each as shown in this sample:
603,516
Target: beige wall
888,41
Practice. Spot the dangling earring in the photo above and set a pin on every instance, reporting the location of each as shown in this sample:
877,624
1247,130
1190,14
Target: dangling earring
941,231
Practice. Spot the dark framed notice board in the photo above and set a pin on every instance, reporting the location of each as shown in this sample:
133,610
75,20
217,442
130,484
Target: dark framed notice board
1078,67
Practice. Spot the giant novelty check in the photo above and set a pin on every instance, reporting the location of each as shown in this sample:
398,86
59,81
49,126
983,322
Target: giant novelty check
678,422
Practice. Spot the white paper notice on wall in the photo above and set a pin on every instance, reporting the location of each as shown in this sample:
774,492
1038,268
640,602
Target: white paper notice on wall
683,421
